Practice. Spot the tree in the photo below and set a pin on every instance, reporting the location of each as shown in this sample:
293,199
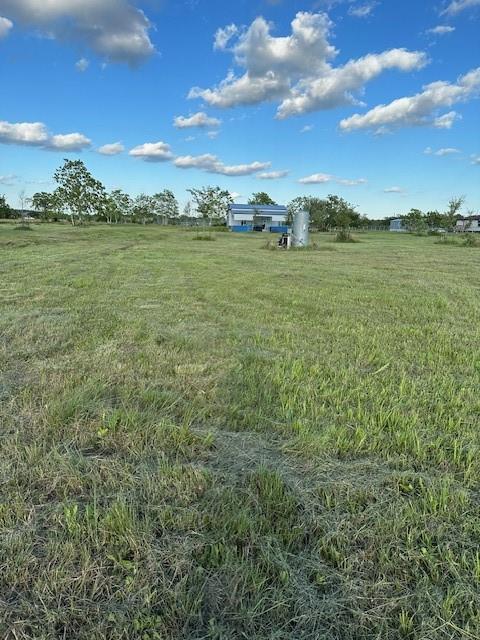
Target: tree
326,213
261,198
45,204
434,219
5,209
415,221
143,209
165,205
451,215
78,191
115,206
211,202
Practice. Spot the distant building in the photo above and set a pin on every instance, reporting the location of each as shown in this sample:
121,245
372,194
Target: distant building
397,225
257,217
468,224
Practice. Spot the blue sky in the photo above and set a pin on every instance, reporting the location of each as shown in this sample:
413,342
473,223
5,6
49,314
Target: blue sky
376,101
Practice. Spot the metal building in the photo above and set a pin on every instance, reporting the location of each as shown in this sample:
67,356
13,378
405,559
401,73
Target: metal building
257,217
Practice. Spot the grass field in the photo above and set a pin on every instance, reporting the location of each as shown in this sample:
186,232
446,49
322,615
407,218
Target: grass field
212,440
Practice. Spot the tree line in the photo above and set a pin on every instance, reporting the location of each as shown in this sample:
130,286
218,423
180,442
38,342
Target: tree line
79,197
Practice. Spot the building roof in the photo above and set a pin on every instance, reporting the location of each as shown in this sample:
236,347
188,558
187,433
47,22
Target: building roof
245,208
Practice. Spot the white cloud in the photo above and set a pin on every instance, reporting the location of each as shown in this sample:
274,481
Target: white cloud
296,71
394,190
273,175
69,142
418,110
36,134
475,158
363,10
441,30
448,151
234,195
445,151
460,5
112,149
27,133
5,26
307,128
210,163
152,152
323,178
224,35
446,121
213,134
114,29
199,119
82,65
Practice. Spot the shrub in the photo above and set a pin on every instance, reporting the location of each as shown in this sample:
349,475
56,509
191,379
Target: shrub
471,240
344,235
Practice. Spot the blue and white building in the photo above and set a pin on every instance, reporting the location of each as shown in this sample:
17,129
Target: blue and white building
257,217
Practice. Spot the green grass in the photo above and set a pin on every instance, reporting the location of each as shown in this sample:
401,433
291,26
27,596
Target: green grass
213,441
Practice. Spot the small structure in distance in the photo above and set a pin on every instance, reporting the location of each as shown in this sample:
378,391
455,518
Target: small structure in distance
468,224
257,217
397,225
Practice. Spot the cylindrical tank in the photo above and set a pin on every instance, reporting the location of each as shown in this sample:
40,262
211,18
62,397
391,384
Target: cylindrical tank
301,220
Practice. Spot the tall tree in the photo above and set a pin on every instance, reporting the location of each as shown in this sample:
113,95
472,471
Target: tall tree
165,205
211,202
452,213
143,209
6,211
261,197
78,191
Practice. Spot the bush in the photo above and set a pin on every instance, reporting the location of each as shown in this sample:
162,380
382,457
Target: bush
471,240
344,235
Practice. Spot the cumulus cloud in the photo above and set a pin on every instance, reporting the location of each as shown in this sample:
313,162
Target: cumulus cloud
441,30
394,190
36,134
82,65
323,178
114,29
273,175
420,109
211,164
224,35
475,159
152,152
296,70
112,149
460,5
199,119
69,142
307,128
5,26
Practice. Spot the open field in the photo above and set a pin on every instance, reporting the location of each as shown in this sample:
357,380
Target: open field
212,440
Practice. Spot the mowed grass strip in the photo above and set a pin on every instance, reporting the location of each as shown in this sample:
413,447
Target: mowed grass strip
211,440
